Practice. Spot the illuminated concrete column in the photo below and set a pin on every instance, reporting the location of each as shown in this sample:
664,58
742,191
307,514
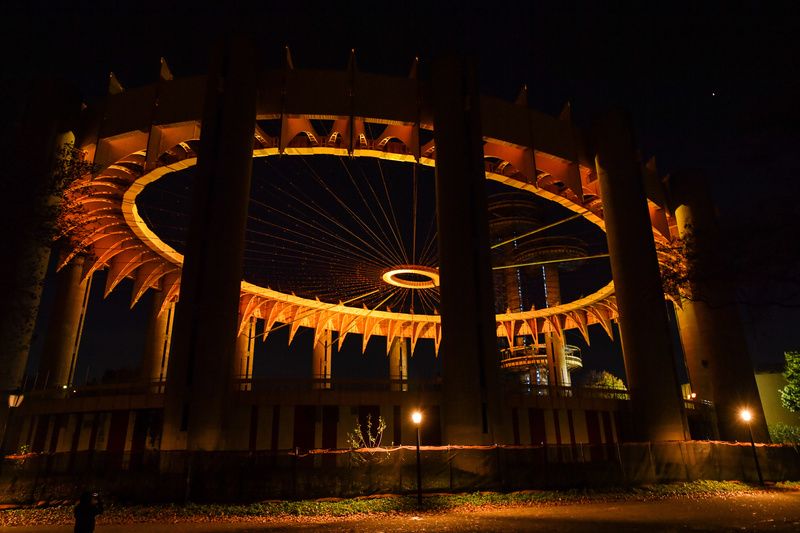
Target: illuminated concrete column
557,360
199,388
649,363
398,364
560,359
157,342
471,403
321,361
60,352
243,359
720,368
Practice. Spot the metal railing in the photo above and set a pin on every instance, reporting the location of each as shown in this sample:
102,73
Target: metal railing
257,385
519,357
341,384
532,389
697,405
242,385
95,390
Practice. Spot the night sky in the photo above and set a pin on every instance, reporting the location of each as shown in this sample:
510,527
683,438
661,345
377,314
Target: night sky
709,85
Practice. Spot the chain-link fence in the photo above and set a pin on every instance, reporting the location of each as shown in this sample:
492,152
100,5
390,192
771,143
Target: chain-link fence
293,474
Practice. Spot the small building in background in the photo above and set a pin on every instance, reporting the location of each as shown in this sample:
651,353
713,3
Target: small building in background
770,381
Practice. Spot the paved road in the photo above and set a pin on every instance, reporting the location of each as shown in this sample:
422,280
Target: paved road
771,511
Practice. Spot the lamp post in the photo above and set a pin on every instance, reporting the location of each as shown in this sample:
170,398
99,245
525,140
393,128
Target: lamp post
416,417
747,416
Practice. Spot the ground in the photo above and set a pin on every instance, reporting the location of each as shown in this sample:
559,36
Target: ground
743,510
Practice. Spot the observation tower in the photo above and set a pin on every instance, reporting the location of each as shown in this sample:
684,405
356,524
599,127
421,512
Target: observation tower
516,236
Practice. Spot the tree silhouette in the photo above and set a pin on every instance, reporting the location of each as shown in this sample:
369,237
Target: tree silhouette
790,394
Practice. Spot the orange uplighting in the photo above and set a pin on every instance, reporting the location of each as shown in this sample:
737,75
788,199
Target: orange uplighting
15,400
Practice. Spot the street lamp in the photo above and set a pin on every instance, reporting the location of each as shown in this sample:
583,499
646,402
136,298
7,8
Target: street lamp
747,416
416,417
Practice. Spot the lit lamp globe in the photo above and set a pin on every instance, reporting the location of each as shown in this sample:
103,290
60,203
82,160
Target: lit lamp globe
746,415
416,417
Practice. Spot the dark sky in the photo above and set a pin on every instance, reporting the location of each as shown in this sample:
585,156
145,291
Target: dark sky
710,85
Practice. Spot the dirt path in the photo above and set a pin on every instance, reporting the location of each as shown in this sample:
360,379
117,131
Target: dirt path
767,511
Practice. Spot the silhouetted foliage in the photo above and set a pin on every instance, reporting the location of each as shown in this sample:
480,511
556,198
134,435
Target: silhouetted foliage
366,437
59,221
603,379
784,433
754,263
790,394
37,211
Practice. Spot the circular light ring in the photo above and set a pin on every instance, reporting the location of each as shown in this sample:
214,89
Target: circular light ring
143,234
602,297
393,277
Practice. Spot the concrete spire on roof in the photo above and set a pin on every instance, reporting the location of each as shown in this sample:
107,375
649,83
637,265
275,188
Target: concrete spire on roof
114,86
165,74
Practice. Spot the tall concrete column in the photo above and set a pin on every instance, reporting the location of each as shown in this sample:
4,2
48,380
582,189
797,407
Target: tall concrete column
243,359
552,285
649,363
199,384
471,402
555,345
157,342
398,364
720,368
60,352
37,121
513,297
321,361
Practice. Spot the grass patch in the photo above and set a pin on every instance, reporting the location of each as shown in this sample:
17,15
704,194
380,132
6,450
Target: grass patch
121,514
